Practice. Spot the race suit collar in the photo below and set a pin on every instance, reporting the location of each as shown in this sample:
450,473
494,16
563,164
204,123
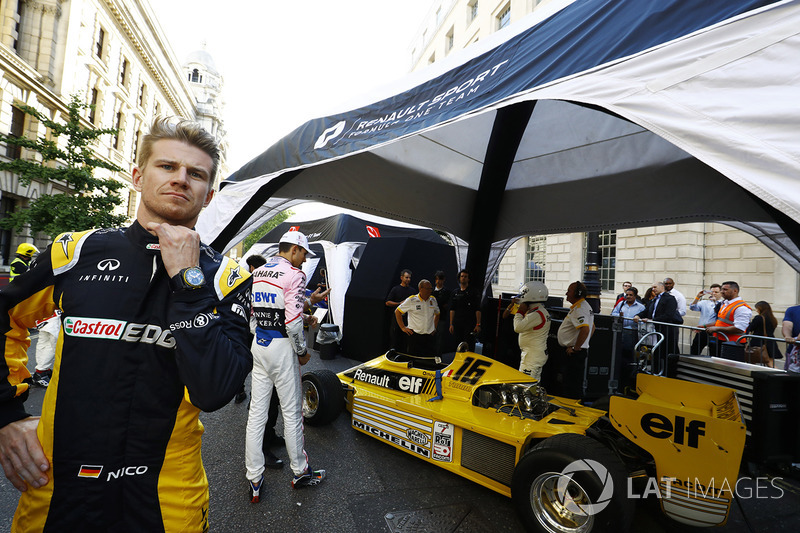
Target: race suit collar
143,238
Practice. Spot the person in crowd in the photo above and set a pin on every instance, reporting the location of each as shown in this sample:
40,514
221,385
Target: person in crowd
649,294
396,296
20,263
621,296
790,329
628,309
271,438
144,348
763,324
443,296
664,309
732,319
423,312
680,299
279,349
465,312
708,315
532,323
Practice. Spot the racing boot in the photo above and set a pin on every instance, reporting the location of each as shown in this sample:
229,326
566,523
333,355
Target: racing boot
309,478
255,489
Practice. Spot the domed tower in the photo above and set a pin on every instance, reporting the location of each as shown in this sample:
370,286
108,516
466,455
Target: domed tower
206,83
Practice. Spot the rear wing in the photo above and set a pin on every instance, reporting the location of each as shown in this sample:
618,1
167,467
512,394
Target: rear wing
695,433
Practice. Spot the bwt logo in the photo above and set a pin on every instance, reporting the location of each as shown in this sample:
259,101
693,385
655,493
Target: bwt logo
329,134
266,297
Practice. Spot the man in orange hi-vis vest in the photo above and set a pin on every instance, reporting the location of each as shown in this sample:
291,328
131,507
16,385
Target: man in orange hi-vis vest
732,319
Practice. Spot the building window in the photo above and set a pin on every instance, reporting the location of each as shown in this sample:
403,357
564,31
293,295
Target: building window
136,139
438,17
123,73
7,206
131,203
432,59
504,18
156,109
195,76
93,106
17,128
142,94
472,11
17,26
118,127
535,258
608,258
101,37
449,40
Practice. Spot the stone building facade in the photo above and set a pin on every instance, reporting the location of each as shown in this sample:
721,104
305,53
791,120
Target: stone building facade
694,255
111,53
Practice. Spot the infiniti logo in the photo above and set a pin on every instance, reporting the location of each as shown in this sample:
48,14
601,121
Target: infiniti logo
108,264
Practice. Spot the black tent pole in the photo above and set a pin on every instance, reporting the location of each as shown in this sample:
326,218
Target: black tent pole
507,131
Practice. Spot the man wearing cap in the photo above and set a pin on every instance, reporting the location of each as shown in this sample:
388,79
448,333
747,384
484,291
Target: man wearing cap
279,348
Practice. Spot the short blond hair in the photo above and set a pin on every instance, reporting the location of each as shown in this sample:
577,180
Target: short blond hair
185,131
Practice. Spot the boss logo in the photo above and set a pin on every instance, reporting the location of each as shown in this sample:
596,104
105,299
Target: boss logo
108,264
660,427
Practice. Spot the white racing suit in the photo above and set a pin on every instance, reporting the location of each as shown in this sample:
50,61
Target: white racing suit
278,295
533,329
49,329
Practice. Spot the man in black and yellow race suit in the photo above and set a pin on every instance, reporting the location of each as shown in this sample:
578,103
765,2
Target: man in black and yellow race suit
155,329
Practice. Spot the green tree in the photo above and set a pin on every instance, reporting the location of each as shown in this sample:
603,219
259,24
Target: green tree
262,230
91,201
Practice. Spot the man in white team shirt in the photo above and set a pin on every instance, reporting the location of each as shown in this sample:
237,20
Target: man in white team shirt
423,317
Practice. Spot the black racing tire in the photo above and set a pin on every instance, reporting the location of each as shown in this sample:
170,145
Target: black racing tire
596,486
323,397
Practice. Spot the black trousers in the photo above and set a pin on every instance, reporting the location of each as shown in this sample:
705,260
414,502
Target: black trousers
422,345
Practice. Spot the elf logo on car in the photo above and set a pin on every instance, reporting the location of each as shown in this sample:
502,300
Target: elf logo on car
417,436
410,384
660,427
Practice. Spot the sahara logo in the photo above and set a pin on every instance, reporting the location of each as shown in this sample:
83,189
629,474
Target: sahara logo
566,496
329,134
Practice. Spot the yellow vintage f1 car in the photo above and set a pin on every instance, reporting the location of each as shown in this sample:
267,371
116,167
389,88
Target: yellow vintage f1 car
568,468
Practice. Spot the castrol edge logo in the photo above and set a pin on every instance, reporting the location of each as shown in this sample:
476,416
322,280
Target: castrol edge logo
95,328
106,328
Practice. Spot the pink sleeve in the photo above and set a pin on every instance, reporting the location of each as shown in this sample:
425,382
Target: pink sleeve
295,296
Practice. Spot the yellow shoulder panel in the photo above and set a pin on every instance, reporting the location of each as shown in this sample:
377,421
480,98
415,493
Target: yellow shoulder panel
230,275
66,250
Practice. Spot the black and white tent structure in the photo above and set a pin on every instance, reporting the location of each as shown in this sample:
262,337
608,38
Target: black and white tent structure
540,128
338,241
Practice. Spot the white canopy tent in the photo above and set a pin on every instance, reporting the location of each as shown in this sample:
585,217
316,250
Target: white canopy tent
540,128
